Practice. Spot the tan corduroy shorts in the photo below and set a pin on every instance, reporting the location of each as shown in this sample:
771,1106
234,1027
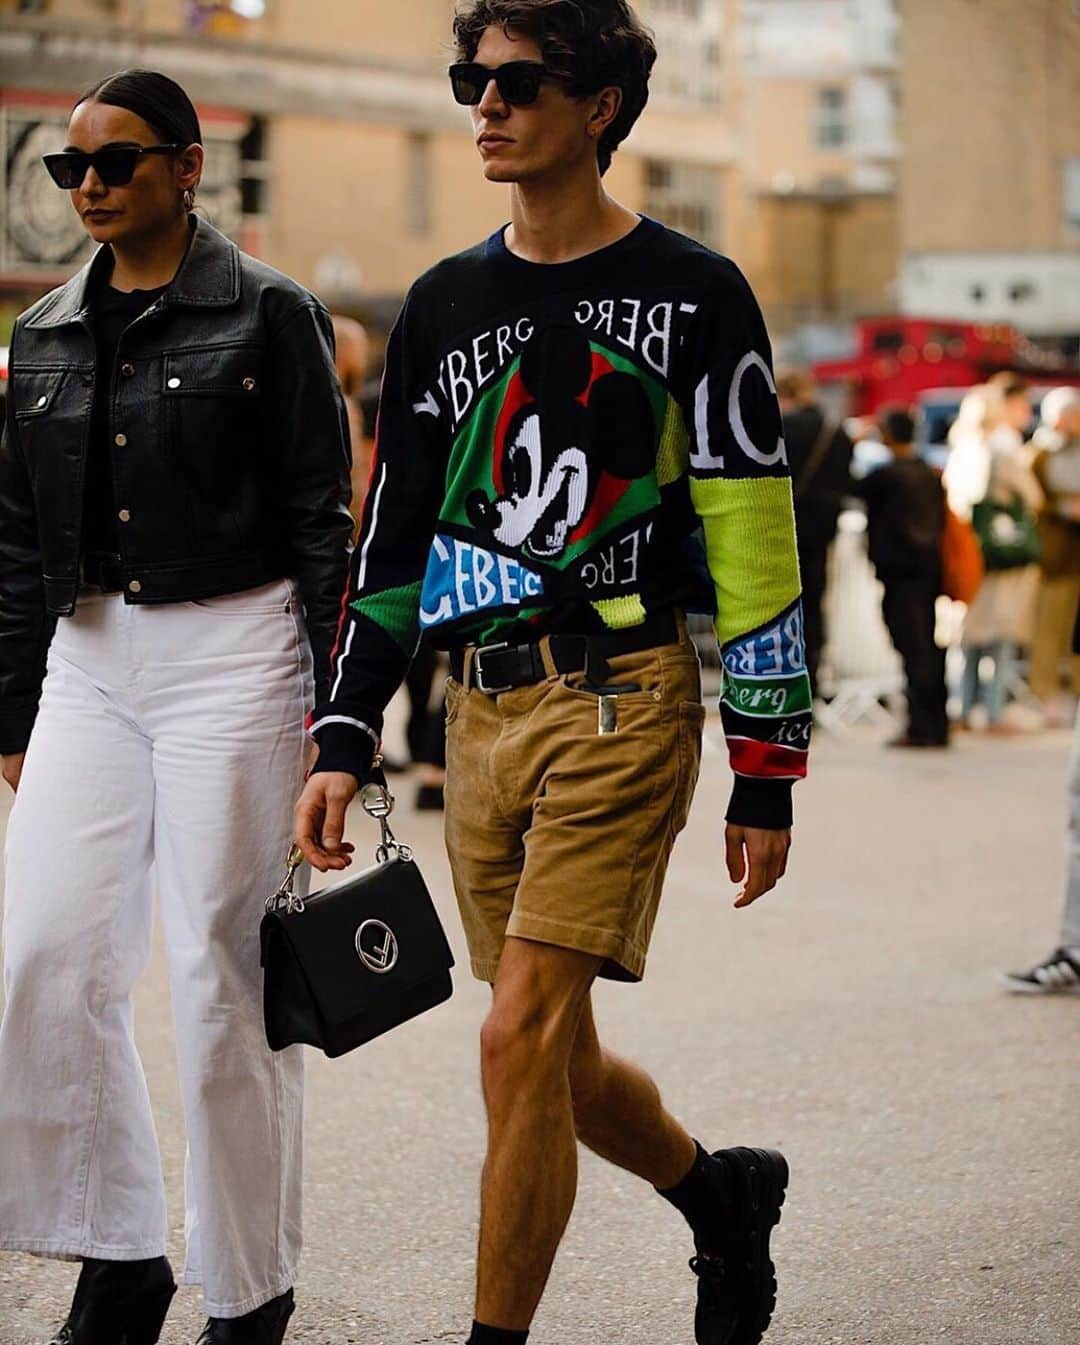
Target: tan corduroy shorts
558,833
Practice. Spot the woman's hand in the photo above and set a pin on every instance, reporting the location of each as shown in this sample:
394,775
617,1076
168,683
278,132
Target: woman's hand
11,769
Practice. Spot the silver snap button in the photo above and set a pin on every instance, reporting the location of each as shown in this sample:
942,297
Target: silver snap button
42,400
249,385
174,382
120,441
124,516
134,586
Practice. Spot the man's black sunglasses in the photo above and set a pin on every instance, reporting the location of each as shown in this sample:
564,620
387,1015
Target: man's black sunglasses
518,82
115,165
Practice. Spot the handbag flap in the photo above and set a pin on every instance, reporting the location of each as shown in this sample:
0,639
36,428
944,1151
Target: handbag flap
365,940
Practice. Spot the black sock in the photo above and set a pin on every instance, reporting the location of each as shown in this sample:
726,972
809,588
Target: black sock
704,1198
495,1335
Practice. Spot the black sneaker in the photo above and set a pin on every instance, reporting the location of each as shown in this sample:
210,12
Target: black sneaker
737,1288
1058,975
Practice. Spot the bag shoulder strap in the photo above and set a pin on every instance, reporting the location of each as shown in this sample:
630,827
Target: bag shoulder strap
814,462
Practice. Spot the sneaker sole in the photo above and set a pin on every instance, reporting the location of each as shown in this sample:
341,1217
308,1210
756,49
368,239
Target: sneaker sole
1018,987
764,1175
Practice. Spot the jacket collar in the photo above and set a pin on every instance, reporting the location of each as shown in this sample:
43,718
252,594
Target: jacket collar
209,277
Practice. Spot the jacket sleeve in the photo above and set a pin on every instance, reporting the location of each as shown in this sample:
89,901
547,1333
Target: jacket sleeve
740,485
25,626
380,613
313,486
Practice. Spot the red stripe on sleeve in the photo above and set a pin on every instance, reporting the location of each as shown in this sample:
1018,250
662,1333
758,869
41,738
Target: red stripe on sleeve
766,760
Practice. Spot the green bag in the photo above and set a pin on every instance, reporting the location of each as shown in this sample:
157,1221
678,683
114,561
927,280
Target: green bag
1007,534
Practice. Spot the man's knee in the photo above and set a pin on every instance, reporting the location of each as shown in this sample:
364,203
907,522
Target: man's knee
533,1020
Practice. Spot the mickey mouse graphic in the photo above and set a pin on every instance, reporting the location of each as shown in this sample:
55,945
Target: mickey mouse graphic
575,423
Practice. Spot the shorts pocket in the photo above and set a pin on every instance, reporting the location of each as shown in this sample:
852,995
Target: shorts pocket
691,725
455,695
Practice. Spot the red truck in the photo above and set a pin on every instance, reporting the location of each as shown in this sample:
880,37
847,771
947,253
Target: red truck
899,357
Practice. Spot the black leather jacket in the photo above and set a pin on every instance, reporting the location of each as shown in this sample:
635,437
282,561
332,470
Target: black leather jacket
230,460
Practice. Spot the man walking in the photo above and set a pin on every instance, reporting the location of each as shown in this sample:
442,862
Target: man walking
905,506
562,405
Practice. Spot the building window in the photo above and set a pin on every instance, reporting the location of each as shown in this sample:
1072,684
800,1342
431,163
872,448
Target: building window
1072,195
831,125
689,37
418,184
686,197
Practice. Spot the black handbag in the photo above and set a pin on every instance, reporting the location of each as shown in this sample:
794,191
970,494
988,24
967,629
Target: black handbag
353,961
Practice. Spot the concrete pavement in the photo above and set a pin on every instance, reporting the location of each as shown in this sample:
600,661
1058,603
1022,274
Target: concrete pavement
851,1018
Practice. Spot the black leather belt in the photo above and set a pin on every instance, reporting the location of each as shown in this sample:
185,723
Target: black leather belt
103,571
495,668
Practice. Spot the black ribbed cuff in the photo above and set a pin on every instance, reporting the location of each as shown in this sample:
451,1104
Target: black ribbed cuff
760,803
343,747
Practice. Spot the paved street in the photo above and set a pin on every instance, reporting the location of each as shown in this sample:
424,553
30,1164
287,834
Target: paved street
852,1019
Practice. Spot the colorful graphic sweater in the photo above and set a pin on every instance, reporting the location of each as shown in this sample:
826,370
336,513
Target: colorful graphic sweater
569,447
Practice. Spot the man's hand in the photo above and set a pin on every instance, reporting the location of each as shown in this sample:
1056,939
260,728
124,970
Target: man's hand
758,856
11,769
320,820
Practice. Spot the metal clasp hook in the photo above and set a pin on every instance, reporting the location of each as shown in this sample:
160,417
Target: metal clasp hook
377,801
286,895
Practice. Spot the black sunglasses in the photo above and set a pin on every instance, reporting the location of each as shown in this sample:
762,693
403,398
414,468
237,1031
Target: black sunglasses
518,82
115,165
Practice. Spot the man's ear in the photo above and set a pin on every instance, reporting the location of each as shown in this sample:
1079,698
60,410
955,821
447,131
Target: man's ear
605,108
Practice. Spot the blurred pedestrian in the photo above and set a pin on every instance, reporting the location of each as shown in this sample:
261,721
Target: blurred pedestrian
351,361
1059,972
905,506
819,452
174,488
989,480
535,519
1057,467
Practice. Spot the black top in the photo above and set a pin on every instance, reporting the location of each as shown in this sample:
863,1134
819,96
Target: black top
233,470
819,499
113,312
551,437
905,505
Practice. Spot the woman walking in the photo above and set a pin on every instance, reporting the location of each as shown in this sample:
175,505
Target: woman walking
989,462
174,486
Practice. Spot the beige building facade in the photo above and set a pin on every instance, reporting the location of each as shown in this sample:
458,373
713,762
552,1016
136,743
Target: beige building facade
337,154
990,178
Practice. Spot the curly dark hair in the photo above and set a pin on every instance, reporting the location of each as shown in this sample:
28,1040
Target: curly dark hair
596,44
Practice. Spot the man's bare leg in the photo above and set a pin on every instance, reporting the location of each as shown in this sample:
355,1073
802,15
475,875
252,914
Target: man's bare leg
530,1175
619,1115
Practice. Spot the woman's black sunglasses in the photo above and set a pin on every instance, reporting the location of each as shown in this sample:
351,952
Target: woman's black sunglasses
115,165
518,82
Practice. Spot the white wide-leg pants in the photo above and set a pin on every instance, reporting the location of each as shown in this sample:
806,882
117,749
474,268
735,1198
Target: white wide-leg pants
170,744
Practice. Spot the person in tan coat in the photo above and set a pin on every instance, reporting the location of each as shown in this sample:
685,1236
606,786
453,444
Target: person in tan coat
1057,467
989,460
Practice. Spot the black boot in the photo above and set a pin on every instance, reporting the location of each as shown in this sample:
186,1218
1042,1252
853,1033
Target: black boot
119,1303
264,1326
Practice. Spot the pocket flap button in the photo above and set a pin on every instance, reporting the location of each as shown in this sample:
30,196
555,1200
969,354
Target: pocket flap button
42,399
174,382
134,586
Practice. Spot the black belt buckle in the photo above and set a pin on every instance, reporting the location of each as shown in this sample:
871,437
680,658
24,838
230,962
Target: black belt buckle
478,669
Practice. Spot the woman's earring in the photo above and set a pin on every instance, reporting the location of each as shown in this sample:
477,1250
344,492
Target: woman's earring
189,200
